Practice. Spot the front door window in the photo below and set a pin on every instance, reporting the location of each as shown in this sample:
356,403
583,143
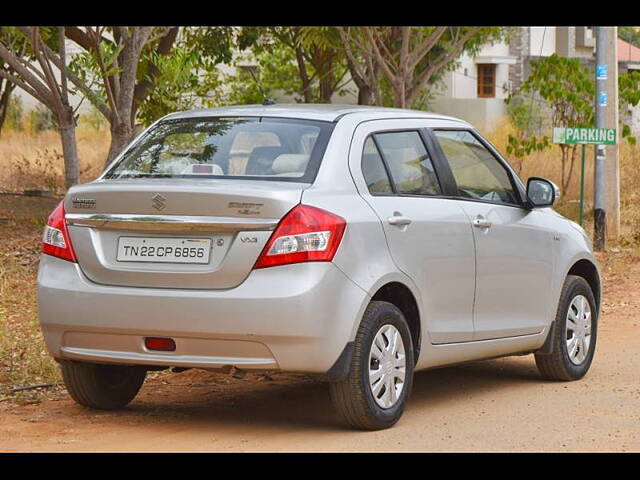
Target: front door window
478,174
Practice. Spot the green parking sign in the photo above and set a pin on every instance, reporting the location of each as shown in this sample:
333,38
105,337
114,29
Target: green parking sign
595,136
584,136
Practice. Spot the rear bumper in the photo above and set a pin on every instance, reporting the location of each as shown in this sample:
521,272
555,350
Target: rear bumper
293,318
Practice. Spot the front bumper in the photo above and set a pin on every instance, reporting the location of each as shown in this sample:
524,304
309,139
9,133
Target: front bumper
294,318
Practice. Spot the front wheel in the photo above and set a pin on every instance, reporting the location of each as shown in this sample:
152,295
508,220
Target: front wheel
574,334
104,387
375,392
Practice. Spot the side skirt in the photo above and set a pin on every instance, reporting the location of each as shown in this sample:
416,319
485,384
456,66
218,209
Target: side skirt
452,353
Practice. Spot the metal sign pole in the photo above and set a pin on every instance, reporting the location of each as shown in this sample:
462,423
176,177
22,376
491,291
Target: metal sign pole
582,188
599,212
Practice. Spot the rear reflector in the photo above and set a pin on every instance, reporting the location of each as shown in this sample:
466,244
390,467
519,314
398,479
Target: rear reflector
160,344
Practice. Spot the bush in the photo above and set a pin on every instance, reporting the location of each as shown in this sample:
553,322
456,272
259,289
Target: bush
94,119
15,114
41,119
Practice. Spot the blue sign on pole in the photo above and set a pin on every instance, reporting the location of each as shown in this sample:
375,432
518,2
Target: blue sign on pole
603,99
601,72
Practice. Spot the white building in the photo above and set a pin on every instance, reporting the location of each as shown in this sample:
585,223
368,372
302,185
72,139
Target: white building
477,88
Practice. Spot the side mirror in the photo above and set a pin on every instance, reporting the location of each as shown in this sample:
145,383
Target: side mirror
541,192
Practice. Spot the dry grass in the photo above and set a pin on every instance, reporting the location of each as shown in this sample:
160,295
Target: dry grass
34,160
547,164
31,161
23,356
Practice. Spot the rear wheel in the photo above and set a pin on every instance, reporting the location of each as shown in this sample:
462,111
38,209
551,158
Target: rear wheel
574,334
375,392
104,387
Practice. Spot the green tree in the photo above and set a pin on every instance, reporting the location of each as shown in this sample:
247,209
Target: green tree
136,74
109,72
628,94
263,75
42,119
47,46
180,84
526,116
411,59
630,34
307,63
18,44
567,90
15,113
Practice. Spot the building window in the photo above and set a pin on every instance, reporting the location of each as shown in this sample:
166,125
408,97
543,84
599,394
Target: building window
486,80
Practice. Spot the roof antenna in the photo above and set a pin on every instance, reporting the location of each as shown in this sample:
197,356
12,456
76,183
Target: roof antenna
267,100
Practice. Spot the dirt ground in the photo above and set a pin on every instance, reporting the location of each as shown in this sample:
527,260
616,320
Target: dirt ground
496,405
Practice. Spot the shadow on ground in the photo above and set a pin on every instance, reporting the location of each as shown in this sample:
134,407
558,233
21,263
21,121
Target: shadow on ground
304,402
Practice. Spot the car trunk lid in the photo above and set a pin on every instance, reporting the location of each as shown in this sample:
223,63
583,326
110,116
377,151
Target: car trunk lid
232,219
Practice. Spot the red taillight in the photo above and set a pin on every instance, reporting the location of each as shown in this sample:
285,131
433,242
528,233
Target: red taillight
161,344
305,234
55,238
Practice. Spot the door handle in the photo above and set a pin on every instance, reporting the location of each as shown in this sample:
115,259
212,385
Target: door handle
398,219
481,222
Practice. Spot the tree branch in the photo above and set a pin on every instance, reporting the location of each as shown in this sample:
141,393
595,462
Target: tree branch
422,79
44,94
24,86
419,53
356,73
82,38
79,83
109,87
142,88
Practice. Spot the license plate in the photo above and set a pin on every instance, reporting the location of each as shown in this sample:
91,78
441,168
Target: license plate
164,250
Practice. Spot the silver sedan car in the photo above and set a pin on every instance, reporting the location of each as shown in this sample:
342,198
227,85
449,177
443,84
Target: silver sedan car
357,243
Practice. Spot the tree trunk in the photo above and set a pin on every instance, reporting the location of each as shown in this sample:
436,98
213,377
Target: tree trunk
399,100
571,164
4,101
121,136
142,88
70,152
304,76
326,86
364,95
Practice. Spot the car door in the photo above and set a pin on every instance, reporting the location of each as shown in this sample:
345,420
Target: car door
429,236
514,251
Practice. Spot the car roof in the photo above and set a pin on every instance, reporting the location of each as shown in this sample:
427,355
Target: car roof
310,111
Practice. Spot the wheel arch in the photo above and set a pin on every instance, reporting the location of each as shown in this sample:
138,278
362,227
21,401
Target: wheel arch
586,269
401,296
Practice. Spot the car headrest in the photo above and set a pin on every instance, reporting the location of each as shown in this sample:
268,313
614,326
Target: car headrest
261,160
290,163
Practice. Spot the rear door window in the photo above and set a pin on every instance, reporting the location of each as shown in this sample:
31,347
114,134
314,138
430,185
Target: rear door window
373,169
408,163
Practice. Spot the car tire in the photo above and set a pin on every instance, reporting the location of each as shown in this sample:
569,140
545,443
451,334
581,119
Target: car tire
354,397
103,387
559,365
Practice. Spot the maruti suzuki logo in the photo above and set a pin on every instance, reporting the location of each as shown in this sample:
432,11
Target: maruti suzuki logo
158,201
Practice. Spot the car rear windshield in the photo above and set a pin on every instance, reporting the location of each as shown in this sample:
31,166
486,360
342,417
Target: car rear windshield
248,148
